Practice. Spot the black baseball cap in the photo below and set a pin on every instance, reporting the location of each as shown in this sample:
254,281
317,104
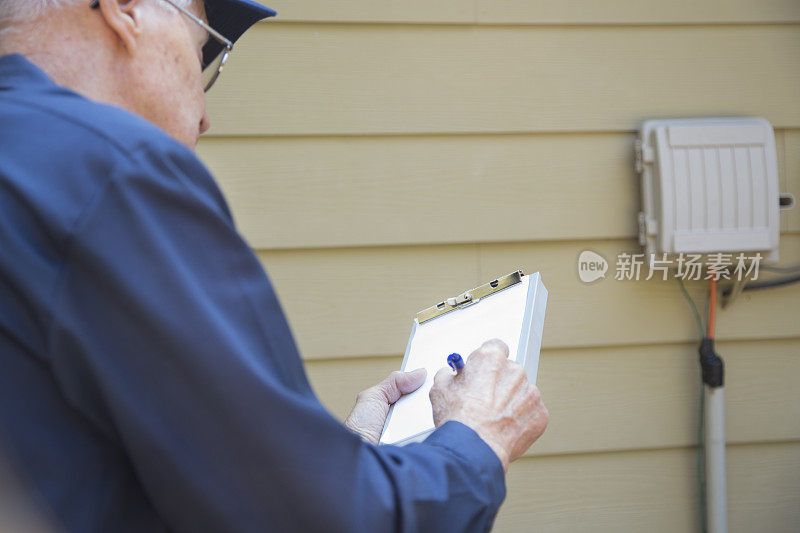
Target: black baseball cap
231,18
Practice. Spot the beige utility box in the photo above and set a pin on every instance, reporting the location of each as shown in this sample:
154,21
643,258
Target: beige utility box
708,185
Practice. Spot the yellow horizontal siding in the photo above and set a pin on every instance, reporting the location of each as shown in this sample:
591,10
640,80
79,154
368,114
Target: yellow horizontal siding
347,302
421,189
636,12
389,154
357,191
538,11
626,397
653,491
351,79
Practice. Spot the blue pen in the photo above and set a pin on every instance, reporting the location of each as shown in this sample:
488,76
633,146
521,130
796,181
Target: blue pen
455,361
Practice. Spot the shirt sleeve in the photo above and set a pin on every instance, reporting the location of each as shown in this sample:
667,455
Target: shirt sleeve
168,337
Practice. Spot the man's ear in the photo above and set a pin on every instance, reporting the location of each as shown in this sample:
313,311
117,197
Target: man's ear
124,19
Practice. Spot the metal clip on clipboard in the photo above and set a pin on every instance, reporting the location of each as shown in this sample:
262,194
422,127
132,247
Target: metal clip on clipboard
470,297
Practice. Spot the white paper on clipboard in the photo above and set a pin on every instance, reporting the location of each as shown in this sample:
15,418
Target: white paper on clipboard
514,315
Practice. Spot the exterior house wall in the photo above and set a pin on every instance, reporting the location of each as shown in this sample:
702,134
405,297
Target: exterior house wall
381,156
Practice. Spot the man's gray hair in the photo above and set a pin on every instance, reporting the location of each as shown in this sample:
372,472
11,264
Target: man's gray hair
22,10
12,11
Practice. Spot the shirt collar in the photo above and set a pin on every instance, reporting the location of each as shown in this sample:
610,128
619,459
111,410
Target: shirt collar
16,72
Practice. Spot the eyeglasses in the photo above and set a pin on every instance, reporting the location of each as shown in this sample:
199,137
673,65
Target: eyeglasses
212,69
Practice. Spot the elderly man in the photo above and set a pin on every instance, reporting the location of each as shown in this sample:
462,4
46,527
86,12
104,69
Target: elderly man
149,379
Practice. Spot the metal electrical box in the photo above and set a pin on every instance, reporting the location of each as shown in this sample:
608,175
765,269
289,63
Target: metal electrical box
708,185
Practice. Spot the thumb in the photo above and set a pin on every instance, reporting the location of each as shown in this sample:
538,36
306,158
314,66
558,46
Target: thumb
410,381
399,383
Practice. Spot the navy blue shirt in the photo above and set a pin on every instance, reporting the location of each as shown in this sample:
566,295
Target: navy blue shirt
148,378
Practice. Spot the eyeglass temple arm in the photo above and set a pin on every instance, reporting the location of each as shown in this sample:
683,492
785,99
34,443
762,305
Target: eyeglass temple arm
217,35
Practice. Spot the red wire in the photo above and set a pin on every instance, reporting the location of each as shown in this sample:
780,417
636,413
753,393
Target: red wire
712,307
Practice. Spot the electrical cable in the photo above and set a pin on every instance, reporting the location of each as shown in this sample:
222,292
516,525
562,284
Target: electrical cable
701,482
712,370
781,270
777,282
712,307
694,306
766,284
701,477
711,324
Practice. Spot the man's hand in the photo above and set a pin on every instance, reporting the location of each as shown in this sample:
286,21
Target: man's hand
372,405
491,395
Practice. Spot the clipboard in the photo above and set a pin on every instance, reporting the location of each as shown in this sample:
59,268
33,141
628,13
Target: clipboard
510,308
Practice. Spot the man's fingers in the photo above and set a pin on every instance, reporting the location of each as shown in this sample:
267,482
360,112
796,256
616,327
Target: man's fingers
441,377
408,382
493,350
495,347
496,344
397,384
